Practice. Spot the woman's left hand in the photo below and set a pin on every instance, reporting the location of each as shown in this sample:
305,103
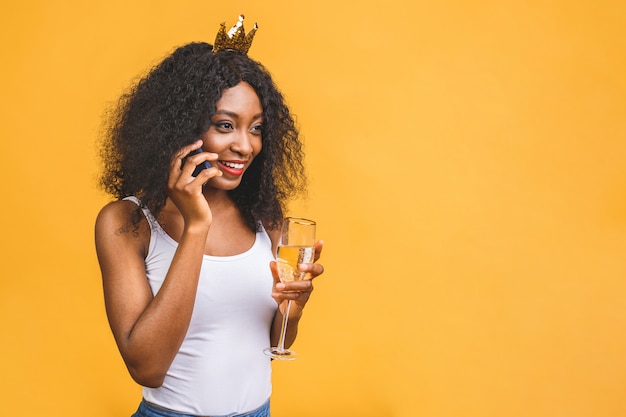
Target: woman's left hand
297,291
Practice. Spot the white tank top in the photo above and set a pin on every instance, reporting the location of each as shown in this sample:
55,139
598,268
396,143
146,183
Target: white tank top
220,367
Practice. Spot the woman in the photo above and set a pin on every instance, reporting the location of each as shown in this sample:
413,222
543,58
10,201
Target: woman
190,283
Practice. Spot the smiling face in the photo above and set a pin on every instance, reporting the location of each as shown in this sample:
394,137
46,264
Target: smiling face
234,134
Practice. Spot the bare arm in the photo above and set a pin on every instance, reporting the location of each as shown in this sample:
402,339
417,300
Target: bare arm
149,330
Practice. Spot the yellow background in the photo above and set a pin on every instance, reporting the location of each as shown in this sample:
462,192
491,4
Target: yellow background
467,172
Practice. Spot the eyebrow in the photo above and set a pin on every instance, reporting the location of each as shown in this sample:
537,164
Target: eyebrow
235,115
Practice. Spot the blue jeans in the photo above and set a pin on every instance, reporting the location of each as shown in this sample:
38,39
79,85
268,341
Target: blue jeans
151,410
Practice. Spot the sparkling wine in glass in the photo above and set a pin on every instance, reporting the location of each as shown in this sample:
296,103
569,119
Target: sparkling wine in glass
296,246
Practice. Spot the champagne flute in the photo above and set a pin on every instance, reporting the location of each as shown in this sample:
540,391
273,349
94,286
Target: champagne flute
296,246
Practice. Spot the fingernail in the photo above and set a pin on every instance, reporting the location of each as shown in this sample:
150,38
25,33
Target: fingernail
280,286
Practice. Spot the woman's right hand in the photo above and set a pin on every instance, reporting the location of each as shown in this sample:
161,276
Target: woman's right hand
184,190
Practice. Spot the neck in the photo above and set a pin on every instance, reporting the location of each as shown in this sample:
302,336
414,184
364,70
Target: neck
219,200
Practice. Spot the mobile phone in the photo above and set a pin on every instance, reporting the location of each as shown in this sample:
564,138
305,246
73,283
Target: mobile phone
203,165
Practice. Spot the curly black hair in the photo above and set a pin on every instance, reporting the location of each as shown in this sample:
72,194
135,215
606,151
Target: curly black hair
172,107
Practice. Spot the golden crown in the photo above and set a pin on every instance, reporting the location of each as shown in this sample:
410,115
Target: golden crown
235,39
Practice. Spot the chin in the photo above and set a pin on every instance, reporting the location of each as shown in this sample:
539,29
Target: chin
223,185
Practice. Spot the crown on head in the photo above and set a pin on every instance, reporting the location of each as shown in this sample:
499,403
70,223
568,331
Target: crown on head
236,39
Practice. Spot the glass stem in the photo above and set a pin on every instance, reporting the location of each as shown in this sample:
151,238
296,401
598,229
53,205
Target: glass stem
283,329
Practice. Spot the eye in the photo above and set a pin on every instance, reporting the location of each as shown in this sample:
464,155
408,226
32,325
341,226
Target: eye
224,125
257,129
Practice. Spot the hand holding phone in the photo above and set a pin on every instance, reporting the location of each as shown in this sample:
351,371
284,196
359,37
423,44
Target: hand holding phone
203,165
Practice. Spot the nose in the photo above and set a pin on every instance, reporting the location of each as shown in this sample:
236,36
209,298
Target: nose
242,143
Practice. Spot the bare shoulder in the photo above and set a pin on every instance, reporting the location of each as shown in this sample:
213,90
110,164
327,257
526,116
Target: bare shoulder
114,225
274,235
115,216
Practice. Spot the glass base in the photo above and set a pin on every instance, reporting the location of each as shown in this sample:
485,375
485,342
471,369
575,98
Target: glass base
280,354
